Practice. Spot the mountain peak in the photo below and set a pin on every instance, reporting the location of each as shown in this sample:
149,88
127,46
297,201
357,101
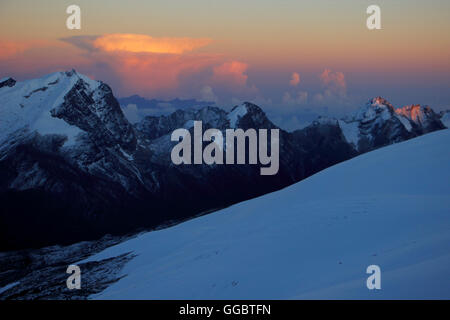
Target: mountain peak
66,103
252,115
71,73
380,102
251,107
237,113
376,107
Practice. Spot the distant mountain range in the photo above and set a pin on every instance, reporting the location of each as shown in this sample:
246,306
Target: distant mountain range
155,107
73,168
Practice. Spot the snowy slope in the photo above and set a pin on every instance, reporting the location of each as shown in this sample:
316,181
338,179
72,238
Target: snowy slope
315,239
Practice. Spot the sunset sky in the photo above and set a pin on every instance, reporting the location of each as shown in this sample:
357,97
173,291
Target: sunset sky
289,56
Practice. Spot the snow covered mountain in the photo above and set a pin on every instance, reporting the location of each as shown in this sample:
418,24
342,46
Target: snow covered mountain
378,123
69,157
314,239
66,111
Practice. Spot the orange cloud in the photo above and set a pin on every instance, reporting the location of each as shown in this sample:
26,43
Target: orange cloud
231,79
334,88
135,64
295,79
143,43
145,65
334,79
152,74
233,73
